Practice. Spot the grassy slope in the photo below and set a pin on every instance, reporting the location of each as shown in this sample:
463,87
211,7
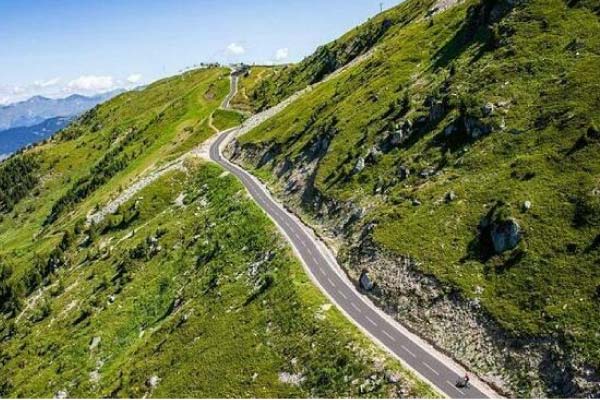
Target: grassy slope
225,119
199,295
542,60
247,84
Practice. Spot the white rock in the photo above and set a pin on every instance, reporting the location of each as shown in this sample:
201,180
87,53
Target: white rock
95,342
291,379
153,381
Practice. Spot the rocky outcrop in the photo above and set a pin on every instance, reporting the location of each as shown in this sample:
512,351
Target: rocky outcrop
460,327
456,325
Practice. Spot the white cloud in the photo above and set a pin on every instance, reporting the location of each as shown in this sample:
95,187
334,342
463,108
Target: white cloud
134,78
92,83
236,49
44,84
282,54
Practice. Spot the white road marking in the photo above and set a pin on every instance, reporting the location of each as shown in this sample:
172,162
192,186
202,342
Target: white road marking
331,282
355,307
430,368
342,294
370,320
315,260
408,351
388,335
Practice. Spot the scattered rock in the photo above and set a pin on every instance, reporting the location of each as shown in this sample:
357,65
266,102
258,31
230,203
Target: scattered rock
427,172
450,196
365,281
373,155
95,376
392,377
502,124
61,394
179,201
153,381
505,235
95,342
320,314
360,165
488,109
526,206
291,379
396,138
403,172
254,376
415,202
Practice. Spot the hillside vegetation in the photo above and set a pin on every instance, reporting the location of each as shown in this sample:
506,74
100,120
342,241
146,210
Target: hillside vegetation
248,82
185,290
463,153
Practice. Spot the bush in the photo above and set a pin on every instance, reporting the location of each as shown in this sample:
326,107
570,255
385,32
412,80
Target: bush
587,211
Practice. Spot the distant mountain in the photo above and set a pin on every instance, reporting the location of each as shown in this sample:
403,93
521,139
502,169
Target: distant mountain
38,109
14,139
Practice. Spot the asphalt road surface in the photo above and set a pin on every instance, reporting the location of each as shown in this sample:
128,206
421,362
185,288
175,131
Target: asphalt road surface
342,292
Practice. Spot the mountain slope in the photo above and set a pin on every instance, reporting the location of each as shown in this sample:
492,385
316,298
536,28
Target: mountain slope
458,164
14,139
38,108
185,290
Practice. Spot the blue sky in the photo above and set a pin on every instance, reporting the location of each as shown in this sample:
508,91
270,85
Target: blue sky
60,47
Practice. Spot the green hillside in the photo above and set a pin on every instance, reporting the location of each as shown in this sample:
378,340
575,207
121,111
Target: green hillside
467,145
185,290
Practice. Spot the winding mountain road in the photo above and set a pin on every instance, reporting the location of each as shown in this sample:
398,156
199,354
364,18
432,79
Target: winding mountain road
324,270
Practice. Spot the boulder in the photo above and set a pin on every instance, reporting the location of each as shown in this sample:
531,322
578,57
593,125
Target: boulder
373,155
397,137
488,109
450,196
403,172
427,172
505,235
95,342
360,165
393,377
153,381
365,282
